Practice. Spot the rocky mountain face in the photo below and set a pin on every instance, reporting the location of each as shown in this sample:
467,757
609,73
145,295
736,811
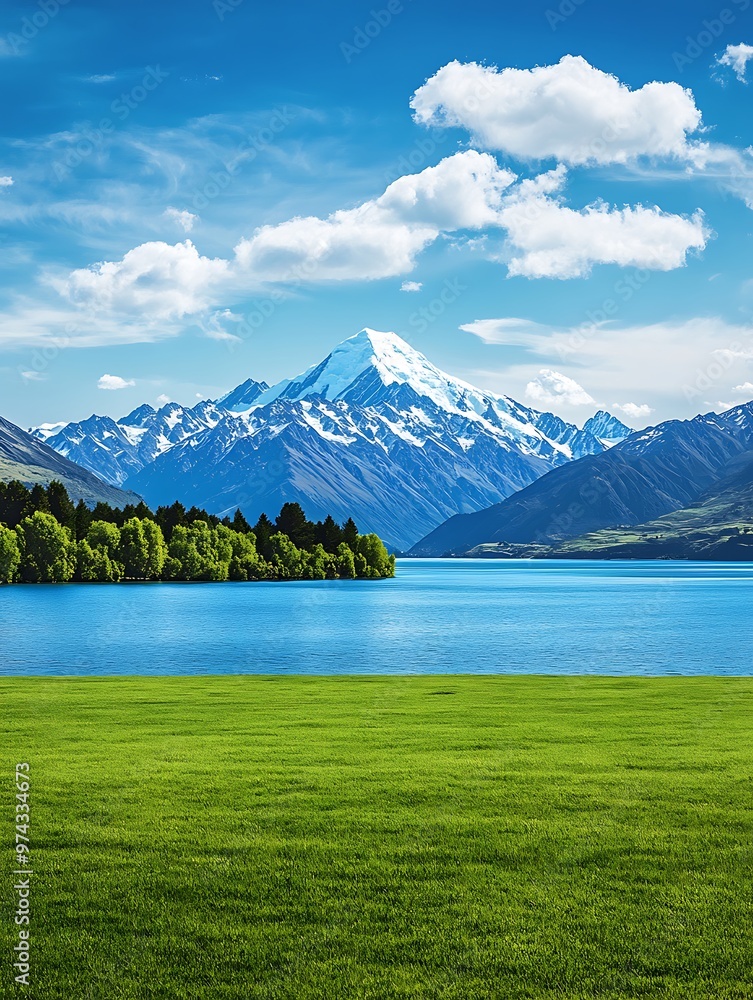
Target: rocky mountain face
29,460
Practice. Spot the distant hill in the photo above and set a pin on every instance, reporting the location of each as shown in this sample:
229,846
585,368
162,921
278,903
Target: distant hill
648,476
718,525
23,457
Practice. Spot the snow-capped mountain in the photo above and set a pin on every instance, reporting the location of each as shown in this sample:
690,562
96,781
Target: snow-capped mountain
375,431
117,449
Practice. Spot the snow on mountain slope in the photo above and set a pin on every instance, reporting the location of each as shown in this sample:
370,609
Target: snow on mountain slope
114,450
376,431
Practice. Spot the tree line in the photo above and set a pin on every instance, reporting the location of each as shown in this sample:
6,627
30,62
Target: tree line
46,538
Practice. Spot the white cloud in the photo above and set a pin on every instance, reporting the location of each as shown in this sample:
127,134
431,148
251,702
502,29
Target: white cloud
381,238
33,376
181,217
675,367
635,410
569,111
157,279
6,181
550,240
214,327
737,57
411,286
162,399
100,78
114,382
745,387
503,331
553,388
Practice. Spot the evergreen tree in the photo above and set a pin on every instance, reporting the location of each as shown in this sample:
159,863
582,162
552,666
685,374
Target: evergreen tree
292,521
14,499
264,530
329,533
104,512
239,523
38,500
61,506
350,533
170,517
83,520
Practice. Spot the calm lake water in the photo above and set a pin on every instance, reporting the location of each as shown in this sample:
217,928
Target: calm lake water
437,616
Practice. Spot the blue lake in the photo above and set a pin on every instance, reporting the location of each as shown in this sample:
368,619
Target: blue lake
437,616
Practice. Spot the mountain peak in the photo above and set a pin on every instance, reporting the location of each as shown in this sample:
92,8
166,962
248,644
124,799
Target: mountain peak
607,428
363,367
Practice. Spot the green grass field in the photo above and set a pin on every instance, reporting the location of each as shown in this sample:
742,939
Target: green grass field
453,837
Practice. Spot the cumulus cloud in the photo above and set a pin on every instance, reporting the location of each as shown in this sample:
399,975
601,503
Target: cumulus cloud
550,240
570,111
6,182
381,238
114,382
745,387
553,388
411,286
163,281
181,217
162,399
737,58
635,410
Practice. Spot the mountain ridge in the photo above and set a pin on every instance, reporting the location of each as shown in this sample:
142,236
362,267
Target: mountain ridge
375,421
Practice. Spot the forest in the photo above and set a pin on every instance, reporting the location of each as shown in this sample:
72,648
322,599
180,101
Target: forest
46,538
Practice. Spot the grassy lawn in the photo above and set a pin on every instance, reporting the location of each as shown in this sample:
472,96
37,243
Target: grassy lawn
453,837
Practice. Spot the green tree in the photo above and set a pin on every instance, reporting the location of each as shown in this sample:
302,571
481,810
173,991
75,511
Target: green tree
94,565
10,555
245,563
378,561
201,551
287,559
264,529
346,567
48,552
142,549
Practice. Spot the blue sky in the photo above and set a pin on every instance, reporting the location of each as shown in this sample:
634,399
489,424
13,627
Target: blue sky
169,174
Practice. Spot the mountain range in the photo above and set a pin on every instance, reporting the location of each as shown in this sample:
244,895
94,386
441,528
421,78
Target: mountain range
375,431
31,461
650,475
